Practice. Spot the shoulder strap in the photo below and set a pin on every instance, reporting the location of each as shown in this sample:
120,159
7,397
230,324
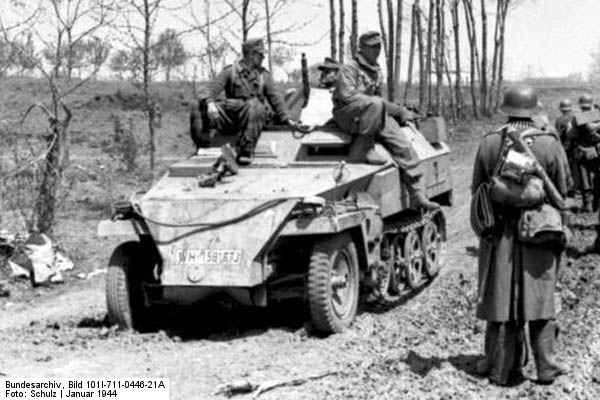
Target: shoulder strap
501,151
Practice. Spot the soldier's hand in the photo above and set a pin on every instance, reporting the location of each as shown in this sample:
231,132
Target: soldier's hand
212,111
291,123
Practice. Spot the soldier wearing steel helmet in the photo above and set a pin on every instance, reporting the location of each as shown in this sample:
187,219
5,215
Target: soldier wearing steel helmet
517,280
247,86
563,122
581,145
359,110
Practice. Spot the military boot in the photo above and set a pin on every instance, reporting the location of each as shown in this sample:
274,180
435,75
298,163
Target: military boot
587,199
362,150
416,198
245,155
542,336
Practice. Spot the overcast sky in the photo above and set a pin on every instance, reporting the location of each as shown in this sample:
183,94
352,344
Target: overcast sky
544,37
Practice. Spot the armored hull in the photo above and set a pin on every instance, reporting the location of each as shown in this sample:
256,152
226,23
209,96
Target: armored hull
300,221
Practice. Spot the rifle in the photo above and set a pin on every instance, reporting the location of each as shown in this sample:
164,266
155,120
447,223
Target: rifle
305,81
551,191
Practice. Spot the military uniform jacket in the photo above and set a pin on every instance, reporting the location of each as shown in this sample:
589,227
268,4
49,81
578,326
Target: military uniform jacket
516,280
562,125
358,81
240,82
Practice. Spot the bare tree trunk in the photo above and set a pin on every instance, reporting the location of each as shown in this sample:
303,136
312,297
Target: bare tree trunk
391,51
483,86
398,51
495,54
451,104
382,29
245,28
146,76
269,38
209,53
56,161
457,84
411,54
341,32
474,58
439,55
430,52
501,57
354,33
332,29
422,63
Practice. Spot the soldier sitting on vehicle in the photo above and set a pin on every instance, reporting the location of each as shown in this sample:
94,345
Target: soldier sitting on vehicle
329,73
247,85
359,110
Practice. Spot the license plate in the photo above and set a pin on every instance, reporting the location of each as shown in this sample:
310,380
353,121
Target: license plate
207,257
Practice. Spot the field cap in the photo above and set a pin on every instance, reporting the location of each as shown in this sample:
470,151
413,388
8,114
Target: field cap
256,44
370,38
328,63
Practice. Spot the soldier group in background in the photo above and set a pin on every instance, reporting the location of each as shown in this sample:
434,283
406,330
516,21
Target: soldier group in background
580,134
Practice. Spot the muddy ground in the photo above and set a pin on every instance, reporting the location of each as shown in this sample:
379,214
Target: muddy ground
425,348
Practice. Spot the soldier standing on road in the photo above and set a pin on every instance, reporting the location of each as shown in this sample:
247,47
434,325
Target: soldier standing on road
247,85
517,280
359,110
581,141
563,122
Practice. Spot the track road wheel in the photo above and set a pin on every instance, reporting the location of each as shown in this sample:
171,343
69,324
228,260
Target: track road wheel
128,268
333,283
413,257
432,247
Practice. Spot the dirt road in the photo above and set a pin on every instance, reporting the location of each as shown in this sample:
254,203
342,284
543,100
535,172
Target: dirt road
423,349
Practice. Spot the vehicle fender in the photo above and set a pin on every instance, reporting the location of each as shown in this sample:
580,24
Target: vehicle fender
119,227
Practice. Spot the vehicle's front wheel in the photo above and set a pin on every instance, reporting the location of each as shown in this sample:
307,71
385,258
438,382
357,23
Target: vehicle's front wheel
128,269
333,283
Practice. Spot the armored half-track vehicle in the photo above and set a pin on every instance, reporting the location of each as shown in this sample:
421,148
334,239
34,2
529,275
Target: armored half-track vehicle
299,222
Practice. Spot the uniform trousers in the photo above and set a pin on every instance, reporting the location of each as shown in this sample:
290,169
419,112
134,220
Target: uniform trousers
243,117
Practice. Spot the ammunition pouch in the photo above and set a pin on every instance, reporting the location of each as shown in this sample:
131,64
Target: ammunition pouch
542,226
585,153
525,194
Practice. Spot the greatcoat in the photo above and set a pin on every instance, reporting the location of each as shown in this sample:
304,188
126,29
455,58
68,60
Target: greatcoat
517,280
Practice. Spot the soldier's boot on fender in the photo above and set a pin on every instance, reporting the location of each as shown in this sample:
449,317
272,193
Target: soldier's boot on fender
362,150
245,154
588,199
542,335
416,197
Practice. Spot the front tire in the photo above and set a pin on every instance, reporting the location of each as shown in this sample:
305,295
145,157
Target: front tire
333,283
129,267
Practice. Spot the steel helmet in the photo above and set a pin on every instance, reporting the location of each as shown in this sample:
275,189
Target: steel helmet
520,101
565,105
586,101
